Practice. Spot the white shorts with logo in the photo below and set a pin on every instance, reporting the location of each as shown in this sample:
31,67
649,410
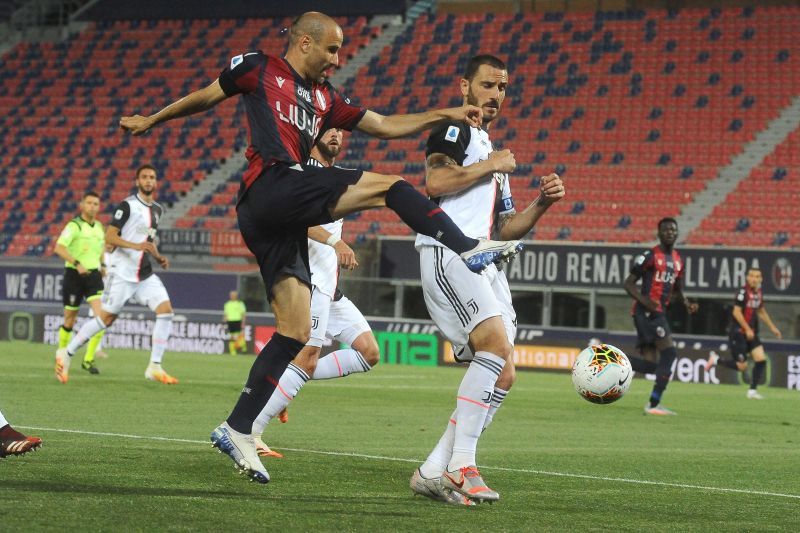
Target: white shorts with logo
458,299
339,320
118,292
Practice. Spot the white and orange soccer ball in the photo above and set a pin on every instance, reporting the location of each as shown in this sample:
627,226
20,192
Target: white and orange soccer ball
602,373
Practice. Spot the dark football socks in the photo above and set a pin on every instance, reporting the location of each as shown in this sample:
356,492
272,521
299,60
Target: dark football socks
663,374
264,376
424,216
643,366
758,373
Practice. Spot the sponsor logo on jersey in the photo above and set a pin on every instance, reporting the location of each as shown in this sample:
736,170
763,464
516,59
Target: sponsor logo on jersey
118,214
297,117
280,81
304,93
452,134
235,60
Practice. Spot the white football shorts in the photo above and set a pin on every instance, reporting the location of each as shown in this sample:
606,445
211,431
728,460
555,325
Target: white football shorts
458,299
118,292
339,320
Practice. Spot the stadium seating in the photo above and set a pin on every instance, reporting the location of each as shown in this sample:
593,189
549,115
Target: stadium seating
60,105
637,110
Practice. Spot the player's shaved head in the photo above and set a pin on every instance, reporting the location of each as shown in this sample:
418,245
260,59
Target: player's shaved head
312,23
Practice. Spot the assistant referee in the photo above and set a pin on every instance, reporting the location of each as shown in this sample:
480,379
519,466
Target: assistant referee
81,245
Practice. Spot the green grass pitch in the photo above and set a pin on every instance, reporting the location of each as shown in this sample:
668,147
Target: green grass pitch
121,453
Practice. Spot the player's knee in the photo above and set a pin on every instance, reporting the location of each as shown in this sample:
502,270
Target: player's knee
497,345
371,354
507,379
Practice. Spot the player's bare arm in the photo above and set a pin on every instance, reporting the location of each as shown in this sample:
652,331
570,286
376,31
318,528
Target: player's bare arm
766,319
677,293
62,252
196,102
345,255
444,176
517,225
113,239
633,292
393,126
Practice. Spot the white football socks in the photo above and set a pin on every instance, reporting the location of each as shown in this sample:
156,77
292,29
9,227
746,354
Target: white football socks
3,421
89,329
161,332
289,385
437,461
339,364
472,406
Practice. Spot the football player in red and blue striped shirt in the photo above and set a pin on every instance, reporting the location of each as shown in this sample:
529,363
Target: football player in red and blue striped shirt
748,307
660,269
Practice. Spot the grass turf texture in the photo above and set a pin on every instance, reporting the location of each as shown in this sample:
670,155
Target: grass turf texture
543,439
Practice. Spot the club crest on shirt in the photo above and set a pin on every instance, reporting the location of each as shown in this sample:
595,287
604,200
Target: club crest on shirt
452,134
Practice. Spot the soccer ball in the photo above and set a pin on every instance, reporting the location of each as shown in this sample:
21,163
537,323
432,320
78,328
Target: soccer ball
602,373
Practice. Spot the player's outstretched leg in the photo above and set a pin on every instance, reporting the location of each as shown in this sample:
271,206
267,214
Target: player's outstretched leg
161,332
64,355
423,216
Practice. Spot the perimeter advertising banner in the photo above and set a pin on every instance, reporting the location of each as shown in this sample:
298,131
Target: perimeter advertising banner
187,290
416,343
708,270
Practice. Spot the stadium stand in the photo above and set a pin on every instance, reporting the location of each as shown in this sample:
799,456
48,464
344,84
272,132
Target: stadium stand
60,105
637,110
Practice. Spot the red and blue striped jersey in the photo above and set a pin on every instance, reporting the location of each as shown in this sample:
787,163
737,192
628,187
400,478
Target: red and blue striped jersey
285,113
750,301
659,272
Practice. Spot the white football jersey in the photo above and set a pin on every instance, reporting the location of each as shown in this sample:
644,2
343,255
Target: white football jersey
321,257
474,209
137,222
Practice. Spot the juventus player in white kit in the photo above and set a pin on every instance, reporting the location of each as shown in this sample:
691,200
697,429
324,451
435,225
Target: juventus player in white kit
470,182
130,277
332,314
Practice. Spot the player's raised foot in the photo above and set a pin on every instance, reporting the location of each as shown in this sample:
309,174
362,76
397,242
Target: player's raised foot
12,442
658,410
487,252
752,394
241,448
154,372
468,481
90,368
62,365
283,416
432,488
265,451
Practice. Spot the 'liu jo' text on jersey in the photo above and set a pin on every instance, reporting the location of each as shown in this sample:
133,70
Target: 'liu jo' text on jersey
285,112
659,272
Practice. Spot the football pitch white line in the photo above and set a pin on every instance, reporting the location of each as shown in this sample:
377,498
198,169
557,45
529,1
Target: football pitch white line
417,461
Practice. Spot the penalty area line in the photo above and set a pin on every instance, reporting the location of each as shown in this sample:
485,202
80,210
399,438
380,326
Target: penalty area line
417,461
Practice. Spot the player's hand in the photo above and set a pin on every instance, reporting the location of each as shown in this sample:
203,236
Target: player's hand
651,305
777,333
750,334
470,114
149,247
692,307
551,189
503,161
345,256
163,261
137,124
